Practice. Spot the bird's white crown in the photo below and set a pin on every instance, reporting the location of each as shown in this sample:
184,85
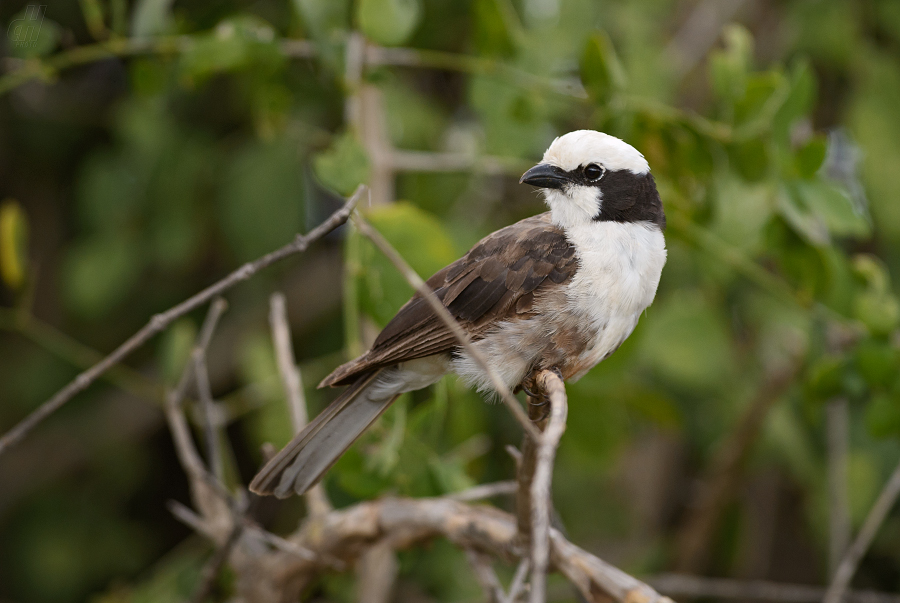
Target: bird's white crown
582,147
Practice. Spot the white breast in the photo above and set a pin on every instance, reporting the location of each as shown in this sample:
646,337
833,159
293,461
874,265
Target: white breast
619,269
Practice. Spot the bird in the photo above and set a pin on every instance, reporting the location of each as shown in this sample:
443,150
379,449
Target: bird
561,290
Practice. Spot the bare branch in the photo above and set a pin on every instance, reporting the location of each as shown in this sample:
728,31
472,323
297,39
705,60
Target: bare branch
551,384
164,319
863,541
485,491
186,515
316,499
376,572
419,285
422,161
590,574
287,365
518,581
204,392
486,576
214,565
756,590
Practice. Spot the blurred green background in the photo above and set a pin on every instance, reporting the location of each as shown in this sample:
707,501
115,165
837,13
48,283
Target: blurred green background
148,148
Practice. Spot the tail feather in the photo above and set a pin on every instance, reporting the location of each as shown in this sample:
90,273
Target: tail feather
313,451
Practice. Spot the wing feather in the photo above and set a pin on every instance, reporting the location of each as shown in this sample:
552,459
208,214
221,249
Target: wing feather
495,281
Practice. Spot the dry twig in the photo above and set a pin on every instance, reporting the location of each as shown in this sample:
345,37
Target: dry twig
863,541
756,590
316,499
164,319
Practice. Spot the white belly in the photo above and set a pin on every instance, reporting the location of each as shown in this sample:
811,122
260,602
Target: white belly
619,269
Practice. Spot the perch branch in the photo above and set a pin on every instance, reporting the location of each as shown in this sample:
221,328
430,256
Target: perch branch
164,319
486,576
422,289
551,384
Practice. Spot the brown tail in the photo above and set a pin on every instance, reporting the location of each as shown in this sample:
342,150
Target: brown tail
313,451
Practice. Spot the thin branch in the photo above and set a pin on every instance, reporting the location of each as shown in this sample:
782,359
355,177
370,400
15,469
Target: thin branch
423,161
192,520
551,384
837,422
864,539
756,590
287,365
186,515
204,392
164,319
591,574
212,568
461,336
486,576
518,582
190,459
485,491
448,61
316,499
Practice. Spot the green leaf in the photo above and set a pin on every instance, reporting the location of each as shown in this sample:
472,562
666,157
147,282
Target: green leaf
751,158
880,312
323,18
601,72
729,67
883,415
825,378
388,22
877,362
810,156
818,209
798,103
30,34
151,18
13,244
236,44
344,165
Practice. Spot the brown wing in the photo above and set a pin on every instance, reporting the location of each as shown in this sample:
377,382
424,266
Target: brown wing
496,280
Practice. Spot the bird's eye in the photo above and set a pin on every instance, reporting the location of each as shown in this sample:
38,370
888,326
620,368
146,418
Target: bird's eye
593,171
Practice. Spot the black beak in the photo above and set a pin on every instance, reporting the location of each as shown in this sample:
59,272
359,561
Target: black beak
545,176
